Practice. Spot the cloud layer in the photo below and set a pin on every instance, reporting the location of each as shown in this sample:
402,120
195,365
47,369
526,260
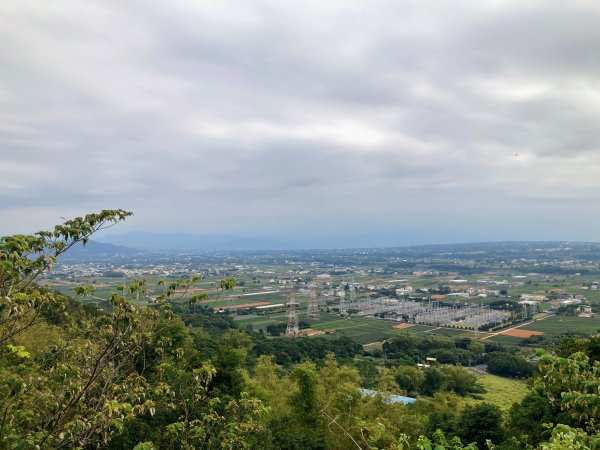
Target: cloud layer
385,122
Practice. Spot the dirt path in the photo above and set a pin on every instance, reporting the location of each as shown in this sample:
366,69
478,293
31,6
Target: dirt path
433,329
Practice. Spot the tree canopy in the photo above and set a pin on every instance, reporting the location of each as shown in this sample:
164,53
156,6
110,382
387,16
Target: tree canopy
158,369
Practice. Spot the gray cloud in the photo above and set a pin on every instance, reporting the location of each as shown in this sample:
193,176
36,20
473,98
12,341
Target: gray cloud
396,118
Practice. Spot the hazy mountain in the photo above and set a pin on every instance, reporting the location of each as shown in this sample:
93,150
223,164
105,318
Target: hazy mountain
185,241
99,250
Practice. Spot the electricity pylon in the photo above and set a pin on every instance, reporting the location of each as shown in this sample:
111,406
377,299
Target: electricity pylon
292,325
313,307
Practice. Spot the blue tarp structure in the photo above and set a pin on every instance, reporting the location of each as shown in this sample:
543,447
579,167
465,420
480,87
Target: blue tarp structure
388,398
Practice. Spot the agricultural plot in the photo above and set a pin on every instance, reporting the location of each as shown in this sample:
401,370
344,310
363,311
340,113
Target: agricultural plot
335,324
218,300
261,321
424,330
556,325
372,346
105,286
369,330
246,305
506,340
450,331
521,333
369,333
419,329
361,330
592,297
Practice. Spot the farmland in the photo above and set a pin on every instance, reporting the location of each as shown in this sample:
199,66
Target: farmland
477,274
555,325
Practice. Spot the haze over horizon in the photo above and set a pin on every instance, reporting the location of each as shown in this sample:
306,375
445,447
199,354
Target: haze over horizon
186,241
365,124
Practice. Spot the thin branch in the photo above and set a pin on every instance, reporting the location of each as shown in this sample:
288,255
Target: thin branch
334,421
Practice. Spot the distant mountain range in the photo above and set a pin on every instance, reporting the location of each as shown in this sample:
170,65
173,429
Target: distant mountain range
144,244
184,241
126,244
94,250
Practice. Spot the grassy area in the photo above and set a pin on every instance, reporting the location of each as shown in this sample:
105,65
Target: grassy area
555,325
372,346
450,331
335,324
275,297
419,329
506,340
361,330
552,326
425,330
501,391
262,321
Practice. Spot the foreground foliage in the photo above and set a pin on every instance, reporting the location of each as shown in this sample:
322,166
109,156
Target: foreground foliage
174,375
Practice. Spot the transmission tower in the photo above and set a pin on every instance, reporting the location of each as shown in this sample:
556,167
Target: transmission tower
352,292
524,312
477,324
313,306
292,325
343,304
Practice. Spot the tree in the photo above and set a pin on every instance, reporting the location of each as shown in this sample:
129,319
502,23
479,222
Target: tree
440,442
508,365
476,347
441,420
528,416
434,381
108,372
481,422
571,385
564,437
304,402
409,378
459,380
23,258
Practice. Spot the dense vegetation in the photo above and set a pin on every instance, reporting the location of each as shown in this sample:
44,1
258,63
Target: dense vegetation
173,374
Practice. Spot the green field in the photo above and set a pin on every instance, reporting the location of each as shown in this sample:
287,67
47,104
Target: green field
506,340
262,321
419,329
555,325
501,391
362,331
450,331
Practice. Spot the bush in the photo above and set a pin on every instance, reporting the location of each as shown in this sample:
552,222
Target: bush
508,365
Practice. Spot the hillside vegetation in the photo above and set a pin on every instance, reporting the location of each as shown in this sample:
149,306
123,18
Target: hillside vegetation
164,371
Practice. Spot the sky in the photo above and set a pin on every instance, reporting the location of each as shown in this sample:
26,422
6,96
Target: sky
349,123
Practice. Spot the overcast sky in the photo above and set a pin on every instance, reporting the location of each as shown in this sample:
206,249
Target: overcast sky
360,122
